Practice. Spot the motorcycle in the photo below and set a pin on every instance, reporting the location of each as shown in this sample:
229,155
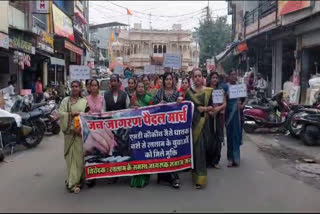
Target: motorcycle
29,133
307,127
51,117
272,115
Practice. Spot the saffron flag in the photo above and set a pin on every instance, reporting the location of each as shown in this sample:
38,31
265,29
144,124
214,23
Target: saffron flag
129,12
111,38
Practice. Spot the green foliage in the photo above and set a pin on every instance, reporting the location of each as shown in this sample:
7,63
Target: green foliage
214,35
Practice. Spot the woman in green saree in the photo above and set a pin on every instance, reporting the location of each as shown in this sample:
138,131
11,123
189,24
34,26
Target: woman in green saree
69,111
201,98
141,99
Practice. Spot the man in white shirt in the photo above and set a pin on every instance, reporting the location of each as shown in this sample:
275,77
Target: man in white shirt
260,85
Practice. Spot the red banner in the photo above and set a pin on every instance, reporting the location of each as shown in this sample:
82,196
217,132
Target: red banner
285,7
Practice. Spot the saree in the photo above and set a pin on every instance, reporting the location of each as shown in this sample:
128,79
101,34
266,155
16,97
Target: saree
73,148
141,180
200,133
234,131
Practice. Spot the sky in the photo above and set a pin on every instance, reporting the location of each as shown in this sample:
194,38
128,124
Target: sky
163,13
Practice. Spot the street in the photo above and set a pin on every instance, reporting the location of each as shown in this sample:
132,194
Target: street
33,181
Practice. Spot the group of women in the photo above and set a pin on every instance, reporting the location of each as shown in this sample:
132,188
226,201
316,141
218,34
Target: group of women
207,125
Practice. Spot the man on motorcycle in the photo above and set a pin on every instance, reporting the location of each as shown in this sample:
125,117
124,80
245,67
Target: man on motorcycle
260,86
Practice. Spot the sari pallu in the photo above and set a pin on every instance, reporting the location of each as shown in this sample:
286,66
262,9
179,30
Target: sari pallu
73,146
200,133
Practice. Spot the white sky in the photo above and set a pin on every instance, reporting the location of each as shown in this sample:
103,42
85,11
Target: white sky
105,11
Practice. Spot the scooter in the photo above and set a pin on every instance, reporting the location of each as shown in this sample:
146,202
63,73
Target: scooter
51,117
307,126
270,116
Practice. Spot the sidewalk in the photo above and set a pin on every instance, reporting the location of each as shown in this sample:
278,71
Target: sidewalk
290,142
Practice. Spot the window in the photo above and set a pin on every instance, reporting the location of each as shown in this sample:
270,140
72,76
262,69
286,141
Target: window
164,49
160,48
135,49
155,50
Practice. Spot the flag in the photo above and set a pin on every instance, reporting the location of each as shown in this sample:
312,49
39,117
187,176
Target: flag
129,12
111,38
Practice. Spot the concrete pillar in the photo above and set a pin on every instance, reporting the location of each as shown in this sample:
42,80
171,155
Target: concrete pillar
277,66
45,74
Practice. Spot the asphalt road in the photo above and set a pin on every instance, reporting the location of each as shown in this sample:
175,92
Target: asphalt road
33,181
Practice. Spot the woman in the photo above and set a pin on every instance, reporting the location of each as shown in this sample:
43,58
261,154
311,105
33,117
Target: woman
149,89
158,83
95,101
168,94
201,97
70,109
141,99
131,89
213,154
86,90
233,124
185,85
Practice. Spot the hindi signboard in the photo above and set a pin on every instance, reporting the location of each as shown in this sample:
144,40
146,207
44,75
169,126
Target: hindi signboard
143,141
172,61
79,72
237,91
149,69
217,96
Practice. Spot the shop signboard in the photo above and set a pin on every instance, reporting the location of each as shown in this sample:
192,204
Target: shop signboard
73,48
285,7
45,42
79,72
4,41
21,42
42,6
62,23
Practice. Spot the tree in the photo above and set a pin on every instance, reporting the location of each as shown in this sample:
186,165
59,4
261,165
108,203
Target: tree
214,35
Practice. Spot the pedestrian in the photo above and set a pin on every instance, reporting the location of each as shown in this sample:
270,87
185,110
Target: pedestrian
260,86
149,89
233,125
61,90
69,111
213,154
141,99
168,94
127,73
201,97
95,101
131,89
86,90
158,83
39,91
119,99
185,85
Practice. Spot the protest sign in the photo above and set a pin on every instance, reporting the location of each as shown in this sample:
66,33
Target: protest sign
118,69
148,140
217,96
79,72
172,61
149,69
237,91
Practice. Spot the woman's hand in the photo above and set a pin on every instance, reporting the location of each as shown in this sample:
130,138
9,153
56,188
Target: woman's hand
78,131
101,139
179,100
75,114
201,109
209,109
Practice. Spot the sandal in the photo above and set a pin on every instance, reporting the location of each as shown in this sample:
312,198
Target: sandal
76,189
216,166
175,183
198,186
230,164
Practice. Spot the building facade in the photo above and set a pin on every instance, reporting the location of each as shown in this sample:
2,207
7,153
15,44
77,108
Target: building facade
139,47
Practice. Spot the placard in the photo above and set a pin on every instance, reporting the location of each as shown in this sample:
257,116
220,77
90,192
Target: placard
172,61
149,69
217,96
118,69
79,72
237,91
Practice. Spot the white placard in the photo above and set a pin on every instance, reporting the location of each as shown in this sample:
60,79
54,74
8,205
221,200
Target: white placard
79,72
294,94
42,6
172,61
237,91
149,69
217,96
118,69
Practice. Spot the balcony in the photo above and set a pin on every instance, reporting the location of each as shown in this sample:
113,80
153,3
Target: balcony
262,18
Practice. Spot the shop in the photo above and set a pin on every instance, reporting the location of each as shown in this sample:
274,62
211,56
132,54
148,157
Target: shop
22,45
6,67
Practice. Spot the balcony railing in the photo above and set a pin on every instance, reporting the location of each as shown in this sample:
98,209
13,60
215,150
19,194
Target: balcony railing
264,9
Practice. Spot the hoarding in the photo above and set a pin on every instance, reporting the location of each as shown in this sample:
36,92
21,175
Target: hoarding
285,7
62,23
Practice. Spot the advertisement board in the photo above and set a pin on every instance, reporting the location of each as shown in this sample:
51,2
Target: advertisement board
285,7
62,23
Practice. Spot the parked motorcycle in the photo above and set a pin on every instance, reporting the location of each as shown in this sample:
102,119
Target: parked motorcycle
307,126
272,115
51,117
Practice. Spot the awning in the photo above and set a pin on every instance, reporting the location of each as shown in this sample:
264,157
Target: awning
80,16
57,61
226,52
